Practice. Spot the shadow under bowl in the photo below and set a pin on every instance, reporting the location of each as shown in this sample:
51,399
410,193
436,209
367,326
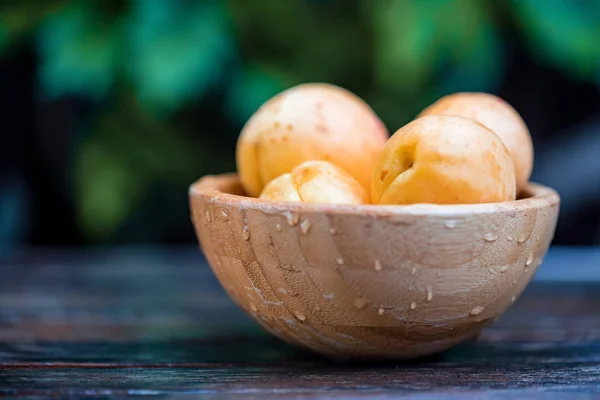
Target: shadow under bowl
371,282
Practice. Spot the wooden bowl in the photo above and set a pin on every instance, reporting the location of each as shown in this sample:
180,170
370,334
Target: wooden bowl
371,281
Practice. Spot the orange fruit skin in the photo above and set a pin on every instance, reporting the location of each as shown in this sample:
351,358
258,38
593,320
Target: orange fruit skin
498,116
313,121
316,182
443,159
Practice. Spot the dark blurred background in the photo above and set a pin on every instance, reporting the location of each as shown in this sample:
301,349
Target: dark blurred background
110,109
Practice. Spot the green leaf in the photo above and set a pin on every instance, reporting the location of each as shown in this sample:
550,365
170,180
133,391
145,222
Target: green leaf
472,51
563,34
127,154
251,87
78,51
107,189
268,26
405,46
19,18
177,50
313,42
427,48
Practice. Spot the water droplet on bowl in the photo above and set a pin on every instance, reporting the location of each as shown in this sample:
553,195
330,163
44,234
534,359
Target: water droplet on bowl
378,266
509,238
360,303
329,296
305,226
522,239
380,311
283,291
477,310
413,271
503,268
450,224
278,227
413,305
490,237
429,294
253,307
299,316
207,215
224,214
529,260
292,218
340,261
332,231
512,299
246,233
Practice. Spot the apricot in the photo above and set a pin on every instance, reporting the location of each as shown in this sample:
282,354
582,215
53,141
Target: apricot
443,159
501,118
316,182
309,122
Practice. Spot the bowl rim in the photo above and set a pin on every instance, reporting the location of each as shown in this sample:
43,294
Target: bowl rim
210,187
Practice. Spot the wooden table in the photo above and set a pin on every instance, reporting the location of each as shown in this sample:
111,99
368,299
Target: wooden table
155,323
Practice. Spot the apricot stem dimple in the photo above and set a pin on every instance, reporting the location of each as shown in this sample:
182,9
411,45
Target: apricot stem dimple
383,174
402,162
407,155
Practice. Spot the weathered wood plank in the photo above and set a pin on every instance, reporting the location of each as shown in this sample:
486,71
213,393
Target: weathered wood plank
158,324
314,381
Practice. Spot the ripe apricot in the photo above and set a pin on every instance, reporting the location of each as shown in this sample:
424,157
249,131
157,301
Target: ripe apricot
501,118
309,122
316,182
443,159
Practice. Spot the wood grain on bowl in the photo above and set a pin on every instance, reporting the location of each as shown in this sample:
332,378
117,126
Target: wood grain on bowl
370,281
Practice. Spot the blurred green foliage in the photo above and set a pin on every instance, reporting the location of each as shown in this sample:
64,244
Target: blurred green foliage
79,50
147,63
563,33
